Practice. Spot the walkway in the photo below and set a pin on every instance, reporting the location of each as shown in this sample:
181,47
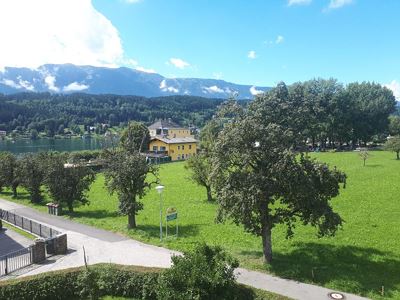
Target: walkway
104,246
11,241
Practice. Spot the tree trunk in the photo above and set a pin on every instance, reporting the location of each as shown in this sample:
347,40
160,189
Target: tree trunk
267,243
131,221
209,194
398,154
14,189
70,207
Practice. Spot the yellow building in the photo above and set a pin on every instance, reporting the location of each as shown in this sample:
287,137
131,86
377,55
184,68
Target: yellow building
169,129
177,148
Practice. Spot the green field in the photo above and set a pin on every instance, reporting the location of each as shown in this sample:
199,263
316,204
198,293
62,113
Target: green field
361,258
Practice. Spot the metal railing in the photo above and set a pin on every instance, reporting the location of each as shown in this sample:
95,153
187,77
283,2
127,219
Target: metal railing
15,260
27,224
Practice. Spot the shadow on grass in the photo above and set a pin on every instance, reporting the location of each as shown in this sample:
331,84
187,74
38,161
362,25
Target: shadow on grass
348,268
92,214
373,166
153,231
20,196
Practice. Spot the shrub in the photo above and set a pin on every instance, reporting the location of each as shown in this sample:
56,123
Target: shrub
81,283
205,273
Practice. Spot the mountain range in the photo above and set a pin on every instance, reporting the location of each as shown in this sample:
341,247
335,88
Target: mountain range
68,78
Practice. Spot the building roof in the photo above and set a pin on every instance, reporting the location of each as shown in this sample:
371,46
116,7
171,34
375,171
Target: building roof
181,140
167,124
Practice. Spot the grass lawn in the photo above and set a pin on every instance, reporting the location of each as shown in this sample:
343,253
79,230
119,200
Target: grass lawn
360,259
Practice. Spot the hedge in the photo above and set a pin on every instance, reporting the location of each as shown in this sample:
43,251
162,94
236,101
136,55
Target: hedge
77,283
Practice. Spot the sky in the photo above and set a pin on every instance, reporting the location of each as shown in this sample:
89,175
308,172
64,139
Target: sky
255,42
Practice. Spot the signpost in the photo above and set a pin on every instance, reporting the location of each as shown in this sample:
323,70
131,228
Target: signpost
171,215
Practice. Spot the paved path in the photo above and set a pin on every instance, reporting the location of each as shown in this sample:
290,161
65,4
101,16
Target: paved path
104,246
11,241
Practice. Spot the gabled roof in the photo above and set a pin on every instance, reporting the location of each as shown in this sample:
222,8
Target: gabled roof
181,140
167,124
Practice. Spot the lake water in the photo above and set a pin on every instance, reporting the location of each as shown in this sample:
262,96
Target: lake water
30,146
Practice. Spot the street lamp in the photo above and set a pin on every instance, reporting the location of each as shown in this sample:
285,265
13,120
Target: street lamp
160,189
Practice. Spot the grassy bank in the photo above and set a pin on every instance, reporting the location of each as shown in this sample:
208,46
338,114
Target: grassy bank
19,231
362,258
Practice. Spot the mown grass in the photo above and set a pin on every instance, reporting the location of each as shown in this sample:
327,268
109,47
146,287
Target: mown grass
361,258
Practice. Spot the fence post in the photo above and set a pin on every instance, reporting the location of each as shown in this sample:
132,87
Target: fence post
40,229
6,260
31,225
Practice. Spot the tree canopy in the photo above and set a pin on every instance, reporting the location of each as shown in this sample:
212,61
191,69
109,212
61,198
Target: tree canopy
260,179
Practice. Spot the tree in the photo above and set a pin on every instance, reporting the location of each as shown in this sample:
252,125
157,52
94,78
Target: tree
205,273
393,144
261,182
135,137
364,155
32,174
126,174
67,183
200,168
394,125
8,172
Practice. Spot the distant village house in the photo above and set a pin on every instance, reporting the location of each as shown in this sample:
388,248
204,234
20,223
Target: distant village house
171,139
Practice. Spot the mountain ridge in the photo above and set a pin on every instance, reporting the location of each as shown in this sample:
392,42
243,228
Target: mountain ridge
69,78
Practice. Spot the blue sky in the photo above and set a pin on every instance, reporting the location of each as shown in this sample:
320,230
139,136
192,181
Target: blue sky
354,41
257,42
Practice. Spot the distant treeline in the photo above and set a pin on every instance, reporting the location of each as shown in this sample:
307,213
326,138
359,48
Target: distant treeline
330,112
50,112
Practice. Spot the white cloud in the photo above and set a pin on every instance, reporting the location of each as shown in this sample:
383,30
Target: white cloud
394,86
142,69
178,63
334,4
62,31
11,83
50,82
254,91
132,1
165,88
74,87
21,84
299,2
252,54
25,84
213,89
279,39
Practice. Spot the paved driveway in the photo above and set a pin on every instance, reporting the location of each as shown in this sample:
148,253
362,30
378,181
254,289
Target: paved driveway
11,241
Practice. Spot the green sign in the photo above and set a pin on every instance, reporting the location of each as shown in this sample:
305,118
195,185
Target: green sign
172,216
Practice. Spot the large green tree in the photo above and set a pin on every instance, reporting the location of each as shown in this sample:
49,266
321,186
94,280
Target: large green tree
67,184
261,181
125,175
9,172
32,174
135,137
200,172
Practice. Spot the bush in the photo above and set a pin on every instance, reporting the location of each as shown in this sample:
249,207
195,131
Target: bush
205,273
81,283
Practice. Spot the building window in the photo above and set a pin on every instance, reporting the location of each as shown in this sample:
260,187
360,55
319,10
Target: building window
162,148
190,147
183,147
179,147
155,148
179,157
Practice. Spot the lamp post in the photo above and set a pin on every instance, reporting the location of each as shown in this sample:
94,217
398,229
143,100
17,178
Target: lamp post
160,189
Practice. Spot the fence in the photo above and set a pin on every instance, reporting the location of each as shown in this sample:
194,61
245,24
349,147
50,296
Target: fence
15,260
29,225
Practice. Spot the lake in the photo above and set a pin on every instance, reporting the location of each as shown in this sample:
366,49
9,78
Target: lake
29,146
